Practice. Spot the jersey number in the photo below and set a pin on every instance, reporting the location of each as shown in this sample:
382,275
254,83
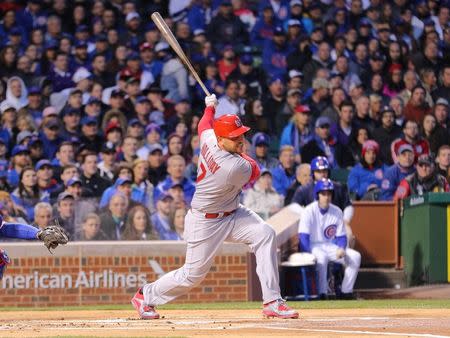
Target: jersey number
202,172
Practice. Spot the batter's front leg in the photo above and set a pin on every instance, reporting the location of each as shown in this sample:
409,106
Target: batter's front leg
251,229
204,237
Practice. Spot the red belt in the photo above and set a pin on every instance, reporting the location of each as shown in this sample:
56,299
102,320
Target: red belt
219,214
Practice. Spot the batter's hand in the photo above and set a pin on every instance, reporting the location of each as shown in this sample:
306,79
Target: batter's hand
211,101
340,253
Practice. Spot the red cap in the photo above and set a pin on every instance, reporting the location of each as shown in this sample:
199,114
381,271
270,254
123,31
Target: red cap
394,67
112,125
302,109
370,145
229,126
145,45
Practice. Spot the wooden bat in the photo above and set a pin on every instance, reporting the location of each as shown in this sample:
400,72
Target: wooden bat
172,41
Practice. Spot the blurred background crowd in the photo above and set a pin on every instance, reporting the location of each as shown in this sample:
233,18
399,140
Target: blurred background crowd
99,117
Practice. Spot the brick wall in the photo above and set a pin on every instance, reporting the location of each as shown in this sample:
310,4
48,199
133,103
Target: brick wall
108,273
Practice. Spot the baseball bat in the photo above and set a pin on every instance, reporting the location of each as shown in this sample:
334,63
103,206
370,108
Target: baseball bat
173,42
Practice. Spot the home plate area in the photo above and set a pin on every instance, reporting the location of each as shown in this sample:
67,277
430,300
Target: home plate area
230,323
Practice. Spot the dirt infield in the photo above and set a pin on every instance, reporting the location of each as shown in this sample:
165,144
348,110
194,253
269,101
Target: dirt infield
228,323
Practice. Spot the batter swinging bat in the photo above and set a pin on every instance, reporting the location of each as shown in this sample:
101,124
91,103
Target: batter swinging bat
172,41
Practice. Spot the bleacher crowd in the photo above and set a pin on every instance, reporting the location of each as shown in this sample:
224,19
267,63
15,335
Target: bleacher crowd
99,116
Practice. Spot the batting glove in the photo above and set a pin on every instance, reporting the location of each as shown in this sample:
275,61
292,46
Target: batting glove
211,100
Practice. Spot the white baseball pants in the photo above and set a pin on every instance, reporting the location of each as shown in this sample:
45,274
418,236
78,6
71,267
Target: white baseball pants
325,253
204,237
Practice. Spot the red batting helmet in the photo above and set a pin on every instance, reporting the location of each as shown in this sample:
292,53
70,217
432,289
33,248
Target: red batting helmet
229,126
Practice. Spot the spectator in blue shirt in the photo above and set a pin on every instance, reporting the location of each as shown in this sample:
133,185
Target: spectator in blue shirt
161,219
365,178
275,54
284,174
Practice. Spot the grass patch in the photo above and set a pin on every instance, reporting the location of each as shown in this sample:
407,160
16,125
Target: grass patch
353,304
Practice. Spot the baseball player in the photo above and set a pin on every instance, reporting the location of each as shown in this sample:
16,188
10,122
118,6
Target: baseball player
215,216
322,232
52,236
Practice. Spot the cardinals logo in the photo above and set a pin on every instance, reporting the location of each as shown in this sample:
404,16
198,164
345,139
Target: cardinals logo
330,231
238,123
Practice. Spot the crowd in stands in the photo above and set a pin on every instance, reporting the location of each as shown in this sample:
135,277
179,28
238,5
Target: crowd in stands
99,116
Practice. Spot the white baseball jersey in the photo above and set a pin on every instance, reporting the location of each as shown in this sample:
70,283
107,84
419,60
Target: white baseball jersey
321,228
221,176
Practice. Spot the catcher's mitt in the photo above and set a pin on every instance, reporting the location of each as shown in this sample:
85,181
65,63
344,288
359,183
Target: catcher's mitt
53,235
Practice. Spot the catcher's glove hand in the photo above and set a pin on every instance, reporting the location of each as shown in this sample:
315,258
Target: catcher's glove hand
53,235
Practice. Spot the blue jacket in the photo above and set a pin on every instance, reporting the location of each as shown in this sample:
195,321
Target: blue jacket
360,178
304,195
392,178
281,180
162,227
164,186
50,146
262,32
275,59
291,136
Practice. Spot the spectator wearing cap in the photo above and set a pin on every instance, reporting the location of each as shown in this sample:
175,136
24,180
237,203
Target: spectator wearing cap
284,174
50,137
20,159
45,180
116,101
174,79
113,218
264,27
275,102
23,138
156,96
410,136
230,102
262,197
322,144
260,149
253,77
80,57
136,129
394,84
152,136
71,122
440,111
365,178
122,186
142,189
83,81
281,8
376,66
212,81
423,180
228,63
226,28
107,165
27,194
35,106
113,134
89,133
320,59
90,178
319,100
149,61
132,91
176,166
161,219
417,108
132,35
386,133
133,65
275,53
142,109
157,169
297,132
93,108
